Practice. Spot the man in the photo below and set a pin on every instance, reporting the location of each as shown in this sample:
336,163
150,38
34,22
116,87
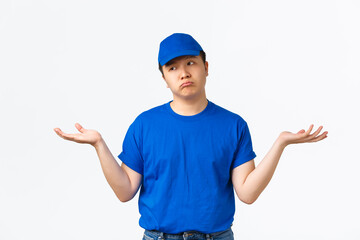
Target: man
188,154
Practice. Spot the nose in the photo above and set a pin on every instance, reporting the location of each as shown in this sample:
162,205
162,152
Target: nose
184,73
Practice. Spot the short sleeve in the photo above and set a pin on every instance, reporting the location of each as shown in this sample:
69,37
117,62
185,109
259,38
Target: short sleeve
131,154
244,151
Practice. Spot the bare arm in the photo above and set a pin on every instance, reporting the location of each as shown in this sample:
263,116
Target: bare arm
117,177
124,181
249,182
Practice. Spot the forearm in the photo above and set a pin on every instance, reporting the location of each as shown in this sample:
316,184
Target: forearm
114,174
259,178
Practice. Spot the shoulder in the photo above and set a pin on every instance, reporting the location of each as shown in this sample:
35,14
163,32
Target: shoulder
150,115
229,115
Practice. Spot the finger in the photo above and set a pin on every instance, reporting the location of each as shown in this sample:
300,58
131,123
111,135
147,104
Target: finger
58,131
79,127
68,136
64,135
309,130
320,137
316,132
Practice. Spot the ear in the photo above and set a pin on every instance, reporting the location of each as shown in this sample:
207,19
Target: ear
165,81
206,68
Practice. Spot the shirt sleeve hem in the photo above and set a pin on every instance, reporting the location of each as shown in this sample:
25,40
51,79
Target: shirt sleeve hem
249,157
129,163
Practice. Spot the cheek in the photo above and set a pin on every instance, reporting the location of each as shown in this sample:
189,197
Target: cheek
170,84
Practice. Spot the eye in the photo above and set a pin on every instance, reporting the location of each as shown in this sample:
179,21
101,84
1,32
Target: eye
190,63
172,68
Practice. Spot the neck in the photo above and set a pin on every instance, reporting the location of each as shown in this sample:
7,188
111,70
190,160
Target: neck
189,107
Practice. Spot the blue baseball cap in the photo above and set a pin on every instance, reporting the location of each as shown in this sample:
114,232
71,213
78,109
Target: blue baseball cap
176,45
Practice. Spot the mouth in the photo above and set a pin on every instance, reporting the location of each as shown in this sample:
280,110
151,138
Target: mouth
186,84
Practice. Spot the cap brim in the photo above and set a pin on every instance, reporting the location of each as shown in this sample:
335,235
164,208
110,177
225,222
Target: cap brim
178,54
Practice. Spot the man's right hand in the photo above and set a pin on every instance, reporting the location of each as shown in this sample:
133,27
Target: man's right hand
85,136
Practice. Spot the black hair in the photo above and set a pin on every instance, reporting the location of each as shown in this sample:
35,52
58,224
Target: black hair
202,55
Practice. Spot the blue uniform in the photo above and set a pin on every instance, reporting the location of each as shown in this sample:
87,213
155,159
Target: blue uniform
186,163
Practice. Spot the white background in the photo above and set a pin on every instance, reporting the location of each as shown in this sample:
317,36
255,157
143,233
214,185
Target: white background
281,65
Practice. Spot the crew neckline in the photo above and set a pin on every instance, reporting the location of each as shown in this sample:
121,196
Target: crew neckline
191,117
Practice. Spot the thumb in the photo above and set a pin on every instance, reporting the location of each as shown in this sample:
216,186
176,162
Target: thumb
301,131
79,127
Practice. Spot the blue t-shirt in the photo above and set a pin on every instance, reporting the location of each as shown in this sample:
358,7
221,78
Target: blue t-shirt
186,163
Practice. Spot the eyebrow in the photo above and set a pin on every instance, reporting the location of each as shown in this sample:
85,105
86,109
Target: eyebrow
172,61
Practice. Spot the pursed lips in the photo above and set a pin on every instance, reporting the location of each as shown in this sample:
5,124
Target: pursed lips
186,84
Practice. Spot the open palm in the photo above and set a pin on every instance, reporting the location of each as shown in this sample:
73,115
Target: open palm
302,136
85,136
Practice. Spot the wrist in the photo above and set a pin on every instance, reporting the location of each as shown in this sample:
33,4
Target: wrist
281,142
98,143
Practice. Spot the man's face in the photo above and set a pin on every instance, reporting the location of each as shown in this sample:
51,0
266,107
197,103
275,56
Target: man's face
186,69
